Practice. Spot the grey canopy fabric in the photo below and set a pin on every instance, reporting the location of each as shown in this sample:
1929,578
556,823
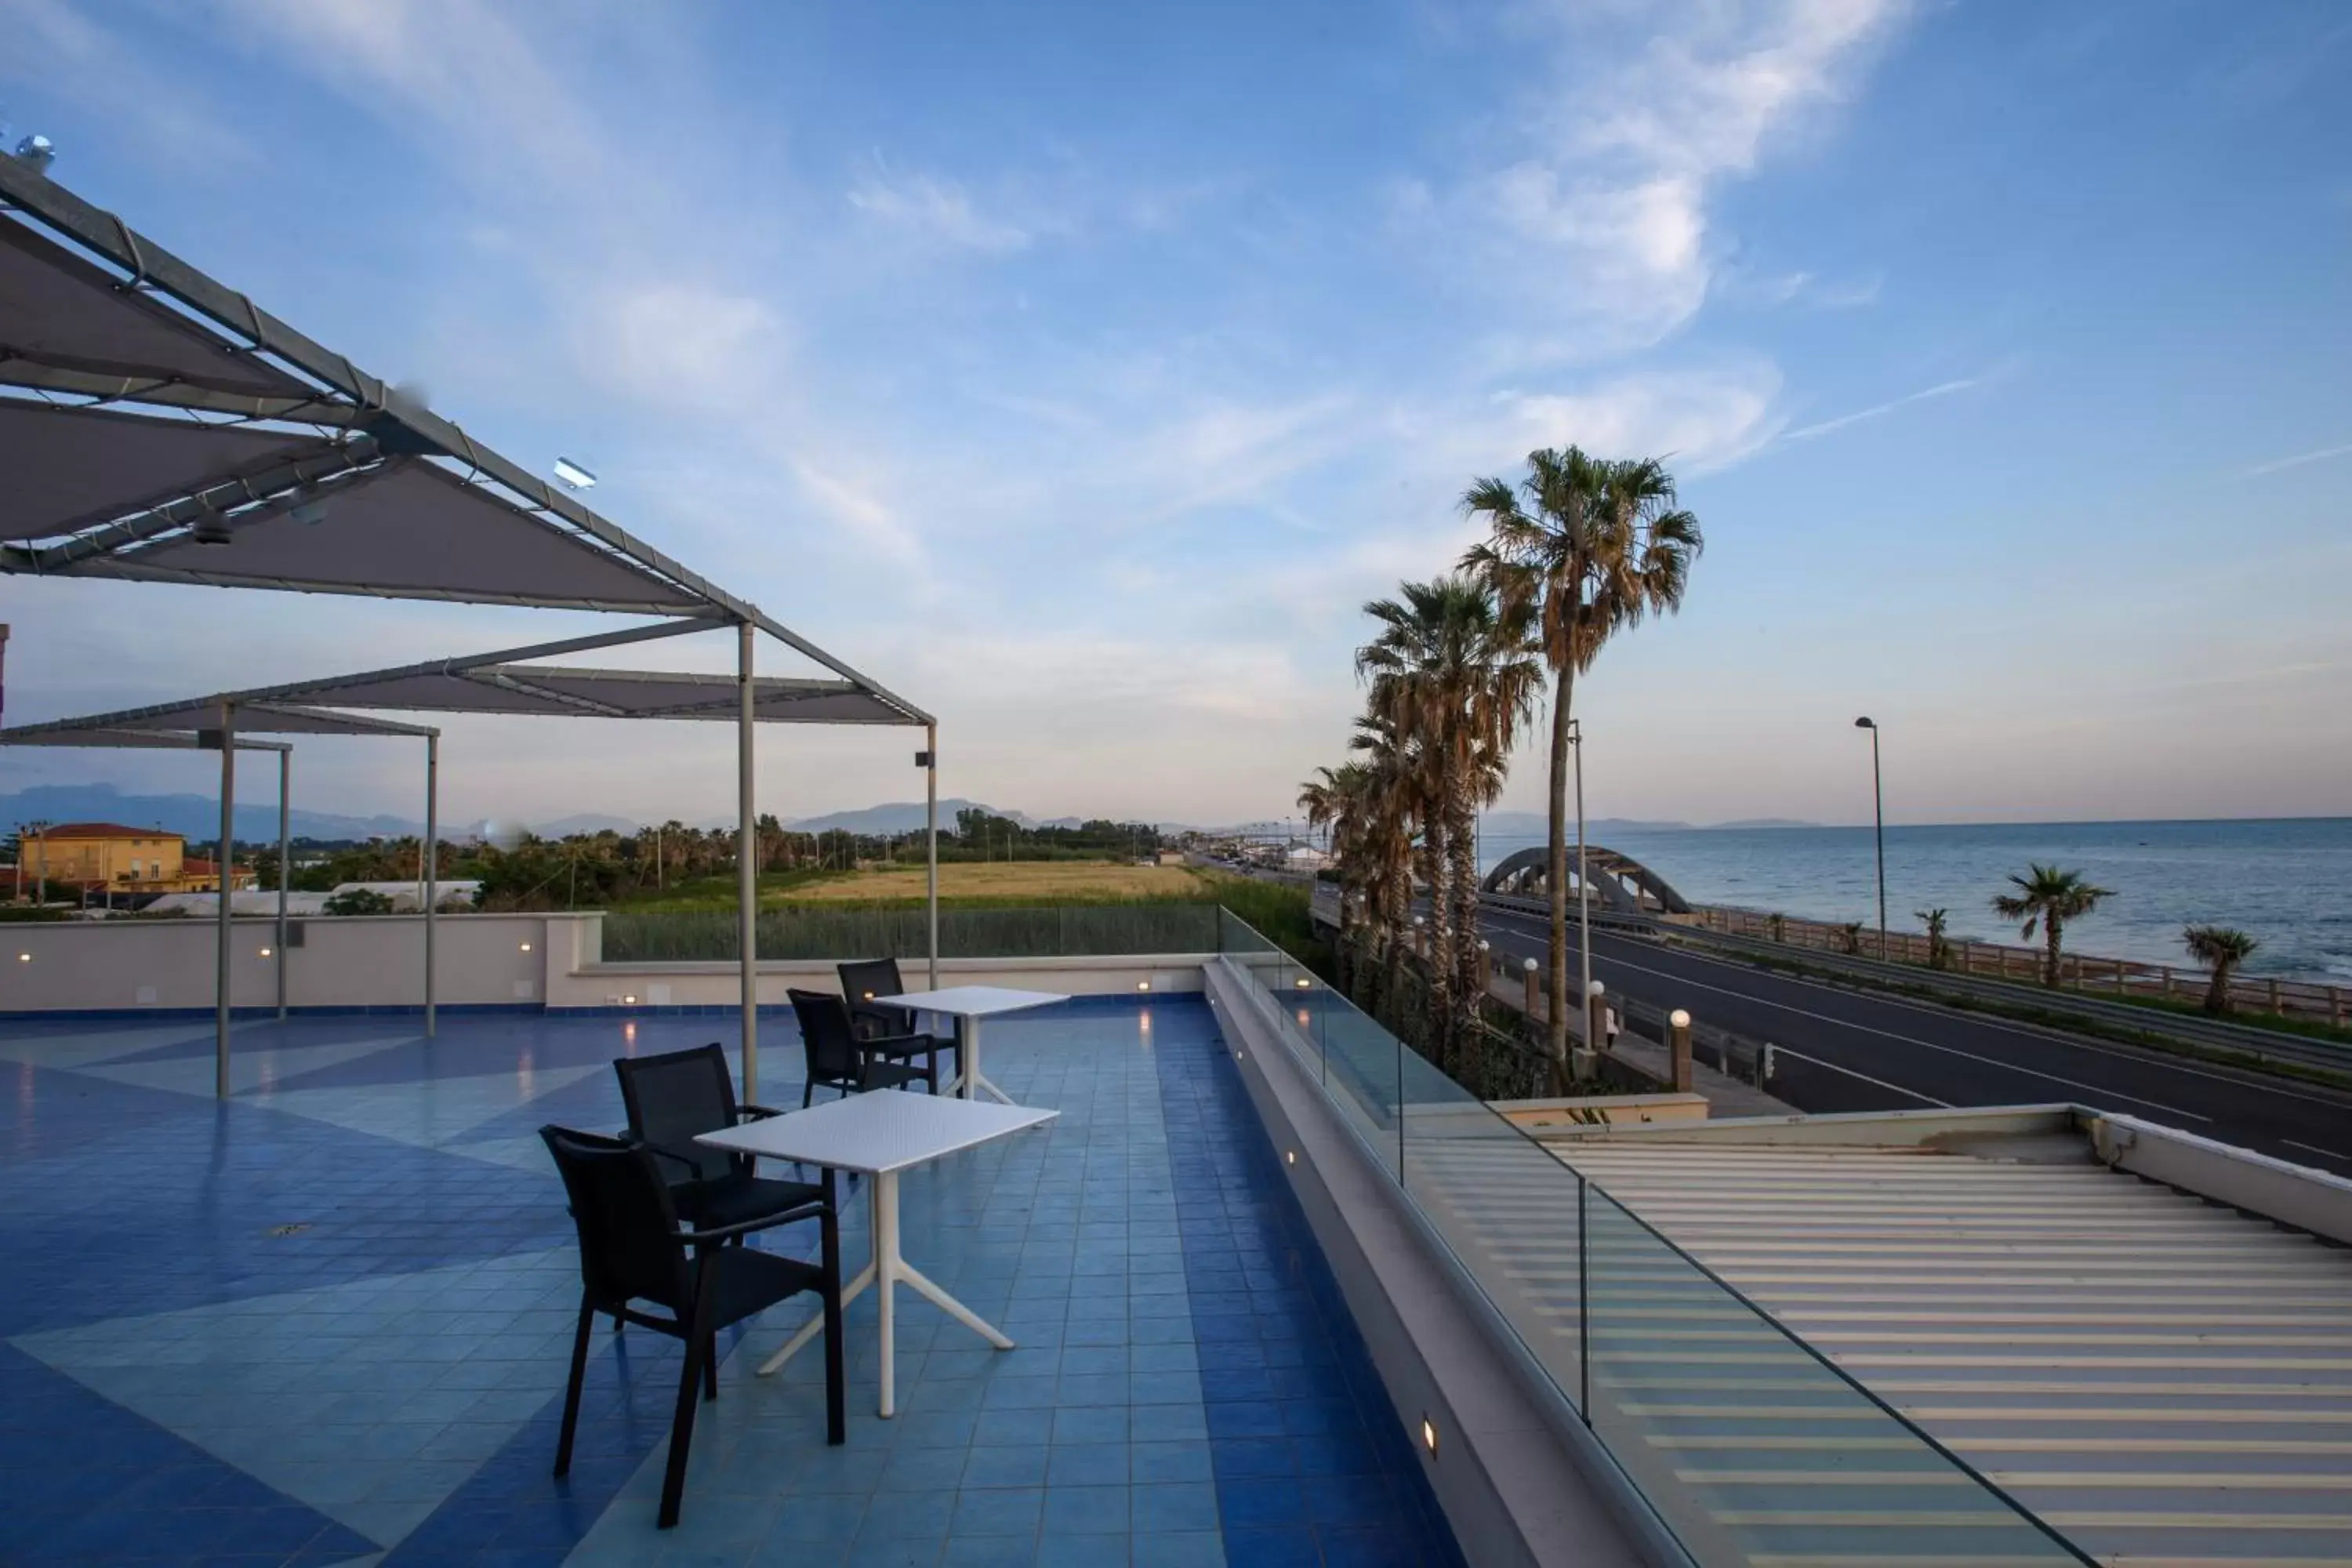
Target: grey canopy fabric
130,740
505,682
406,529
69,324
72,468
180,723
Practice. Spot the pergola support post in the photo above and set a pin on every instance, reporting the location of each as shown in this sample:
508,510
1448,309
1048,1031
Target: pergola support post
931,845
223,936
285,865
747,861
430,865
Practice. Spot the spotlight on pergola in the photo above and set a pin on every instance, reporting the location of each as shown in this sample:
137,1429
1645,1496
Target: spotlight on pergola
573,474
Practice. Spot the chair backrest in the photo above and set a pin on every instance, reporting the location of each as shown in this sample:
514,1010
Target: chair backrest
825,1036
621,1207
869,979
672,1097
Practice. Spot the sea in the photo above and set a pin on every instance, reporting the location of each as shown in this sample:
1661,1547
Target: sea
2288,882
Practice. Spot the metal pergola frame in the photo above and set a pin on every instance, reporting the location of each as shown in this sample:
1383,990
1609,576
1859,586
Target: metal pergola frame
161,340
189,740
311,707
339,395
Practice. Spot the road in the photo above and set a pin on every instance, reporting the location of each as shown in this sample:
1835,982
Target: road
1924,1055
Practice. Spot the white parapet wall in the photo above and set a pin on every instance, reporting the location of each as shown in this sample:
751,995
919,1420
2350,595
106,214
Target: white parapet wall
521,960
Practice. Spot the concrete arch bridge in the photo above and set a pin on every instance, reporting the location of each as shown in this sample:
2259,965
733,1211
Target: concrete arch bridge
1621,884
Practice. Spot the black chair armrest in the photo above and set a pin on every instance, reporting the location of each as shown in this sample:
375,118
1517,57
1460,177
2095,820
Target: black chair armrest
755,1112
693,1172
888,1015
815,1208
893,1042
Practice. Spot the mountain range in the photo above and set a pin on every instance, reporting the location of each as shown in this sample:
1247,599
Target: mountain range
198,817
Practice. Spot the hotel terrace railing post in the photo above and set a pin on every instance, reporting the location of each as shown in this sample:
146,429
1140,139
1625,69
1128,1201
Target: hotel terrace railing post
1584,1306
1679,1049
430,865
225,956
930,763
747,866
285,863
1532,972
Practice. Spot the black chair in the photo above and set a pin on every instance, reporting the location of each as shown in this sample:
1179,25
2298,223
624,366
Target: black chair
839,1059
632,1248
672,1097
867,984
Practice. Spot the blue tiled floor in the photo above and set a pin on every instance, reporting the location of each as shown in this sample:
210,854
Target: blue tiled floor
328,1321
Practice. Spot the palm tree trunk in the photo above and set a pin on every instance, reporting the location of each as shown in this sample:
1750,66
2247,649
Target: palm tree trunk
1395,904
1465,848
2217,993
2050,935
1556,877
1434,865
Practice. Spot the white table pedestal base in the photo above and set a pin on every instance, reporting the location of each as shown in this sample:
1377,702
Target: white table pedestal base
887,1271
970,1076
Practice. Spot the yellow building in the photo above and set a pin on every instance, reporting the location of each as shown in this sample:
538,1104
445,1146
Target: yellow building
96,856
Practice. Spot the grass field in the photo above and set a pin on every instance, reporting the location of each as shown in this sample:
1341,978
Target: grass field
1016,881
1106,906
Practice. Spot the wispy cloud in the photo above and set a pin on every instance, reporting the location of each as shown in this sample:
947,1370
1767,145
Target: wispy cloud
935,209
1941,389
1599,217
2298,460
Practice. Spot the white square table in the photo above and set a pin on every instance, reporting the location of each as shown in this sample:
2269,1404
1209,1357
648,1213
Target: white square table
968,1005
880,1134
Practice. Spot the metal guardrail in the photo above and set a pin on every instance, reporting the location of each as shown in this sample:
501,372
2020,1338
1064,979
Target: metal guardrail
2259,1045
2120,978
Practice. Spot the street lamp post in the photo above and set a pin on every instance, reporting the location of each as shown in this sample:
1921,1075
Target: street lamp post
1878,813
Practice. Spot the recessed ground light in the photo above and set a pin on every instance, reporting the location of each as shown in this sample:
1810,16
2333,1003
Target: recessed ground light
1304,983
1291,1155
628,1001
526,947
1429,1434
265,953
1143,985
24,958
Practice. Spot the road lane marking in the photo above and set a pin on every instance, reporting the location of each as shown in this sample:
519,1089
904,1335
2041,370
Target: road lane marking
1914,1040
2316,1149
2047,1037
1876,1082
1982,1021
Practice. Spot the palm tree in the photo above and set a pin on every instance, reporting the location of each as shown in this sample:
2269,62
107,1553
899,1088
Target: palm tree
2052,897
1589,546
2221,949
1339,799
1392,799
1934,920
1450,669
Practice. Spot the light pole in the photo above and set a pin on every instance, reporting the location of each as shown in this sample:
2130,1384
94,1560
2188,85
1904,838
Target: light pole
1878,814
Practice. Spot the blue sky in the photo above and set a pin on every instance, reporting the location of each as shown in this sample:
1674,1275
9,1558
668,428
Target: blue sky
1080,369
